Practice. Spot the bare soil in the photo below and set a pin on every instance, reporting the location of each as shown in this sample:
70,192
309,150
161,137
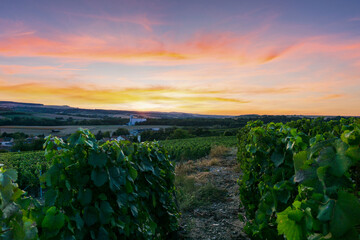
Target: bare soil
218,220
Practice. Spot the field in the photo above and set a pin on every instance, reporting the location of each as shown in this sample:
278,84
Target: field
300,177
11,115
29,165
54,116
67,130
195,148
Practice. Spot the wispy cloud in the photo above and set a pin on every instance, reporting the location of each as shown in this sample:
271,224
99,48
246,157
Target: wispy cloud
97,95
40,70
202,47
354,19
272,90
331,96
226,47
141,20
253,62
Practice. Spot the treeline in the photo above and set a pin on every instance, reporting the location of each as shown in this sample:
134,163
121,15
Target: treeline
35,145
220,122
16,135
30,121
21,144
107,134
187,132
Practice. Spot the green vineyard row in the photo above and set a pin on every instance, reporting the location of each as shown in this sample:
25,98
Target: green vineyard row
115,190
301,179
30,165
195,148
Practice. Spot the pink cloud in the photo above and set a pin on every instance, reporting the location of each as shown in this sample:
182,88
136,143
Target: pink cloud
22,69
204,47
331,96
355,19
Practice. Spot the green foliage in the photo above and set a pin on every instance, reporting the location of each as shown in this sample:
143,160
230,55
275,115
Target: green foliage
180,133
121,131
195,148
26,119
300,179
102,191
115,190
28,165
14,224
22,145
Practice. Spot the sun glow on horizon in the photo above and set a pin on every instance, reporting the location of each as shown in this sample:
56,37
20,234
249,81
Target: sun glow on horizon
237,58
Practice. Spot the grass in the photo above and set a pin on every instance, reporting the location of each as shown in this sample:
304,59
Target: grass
190,167
191,194
219,151
193,188
185,168
237,168
210,162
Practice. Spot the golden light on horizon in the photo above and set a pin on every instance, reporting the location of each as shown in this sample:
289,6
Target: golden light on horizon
243,60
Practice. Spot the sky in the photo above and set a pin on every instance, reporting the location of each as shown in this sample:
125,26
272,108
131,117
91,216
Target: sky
224,57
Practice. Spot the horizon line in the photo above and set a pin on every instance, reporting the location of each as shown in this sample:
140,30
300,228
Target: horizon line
154,111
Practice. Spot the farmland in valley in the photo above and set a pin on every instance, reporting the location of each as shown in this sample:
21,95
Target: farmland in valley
66,130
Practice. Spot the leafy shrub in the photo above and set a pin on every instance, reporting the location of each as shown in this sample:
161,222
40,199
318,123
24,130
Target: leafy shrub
28,165
116,190
300,185
109,191
13,224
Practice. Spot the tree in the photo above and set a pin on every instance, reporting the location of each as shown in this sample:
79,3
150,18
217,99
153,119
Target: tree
99,135
106,134
180,133
121,131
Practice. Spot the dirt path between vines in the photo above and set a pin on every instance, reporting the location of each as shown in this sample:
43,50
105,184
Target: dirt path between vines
217,219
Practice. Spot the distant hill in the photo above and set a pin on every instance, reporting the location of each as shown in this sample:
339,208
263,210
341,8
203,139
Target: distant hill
54,109
101,113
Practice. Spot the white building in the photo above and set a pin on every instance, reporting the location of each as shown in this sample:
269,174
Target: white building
120,138
133,120
6,142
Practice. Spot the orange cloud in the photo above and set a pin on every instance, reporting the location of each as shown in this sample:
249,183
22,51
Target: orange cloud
281,100
331,96
22,69
203,47
80,95
280,90
254,47
327,46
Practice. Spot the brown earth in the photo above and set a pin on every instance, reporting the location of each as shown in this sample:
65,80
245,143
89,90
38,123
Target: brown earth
219,220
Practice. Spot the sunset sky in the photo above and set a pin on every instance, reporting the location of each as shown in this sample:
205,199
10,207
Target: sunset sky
211,57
